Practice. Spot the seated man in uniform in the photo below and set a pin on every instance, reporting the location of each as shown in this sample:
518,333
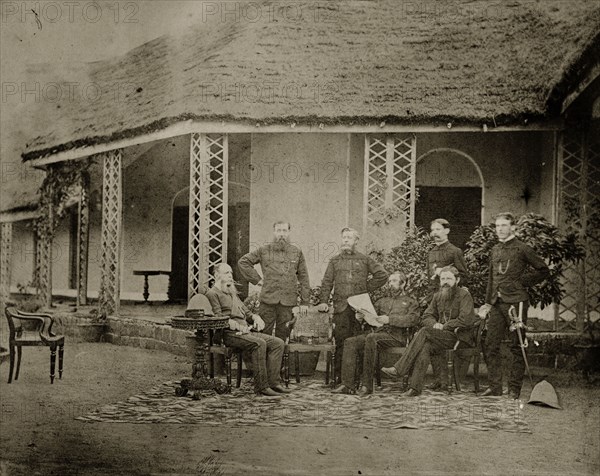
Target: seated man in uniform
266,351
449,317
396,312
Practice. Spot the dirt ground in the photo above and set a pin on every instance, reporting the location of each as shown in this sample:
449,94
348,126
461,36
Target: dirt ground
39,434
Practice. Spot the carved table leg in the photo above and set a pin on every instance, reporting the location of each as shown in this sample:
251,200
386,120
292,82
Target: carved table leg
146,288
200,376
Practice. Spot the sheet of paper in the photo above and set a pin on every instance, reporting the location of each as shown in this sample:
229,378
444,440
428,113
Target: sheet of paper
362,303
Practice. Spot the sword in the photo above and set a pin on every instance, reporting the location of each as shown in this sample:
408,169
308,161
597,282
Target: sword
517,325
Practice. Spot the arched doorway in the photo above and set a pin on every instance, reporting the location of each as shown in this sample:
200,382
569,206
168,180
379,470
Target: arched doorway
450,185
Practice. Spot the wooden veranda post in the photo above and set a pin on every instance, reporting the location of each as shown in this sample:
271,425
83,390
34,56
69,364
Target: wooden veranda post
208,208
43,259
83,225
5,262
110,244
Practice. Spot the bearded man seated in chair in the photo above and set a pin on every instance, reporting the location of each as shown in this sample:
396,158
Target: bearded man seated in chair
397,313
266,351
449,317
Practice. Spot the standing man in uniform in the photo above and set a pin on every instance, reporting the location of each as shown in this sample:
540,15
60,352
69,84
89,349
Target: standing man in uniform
514,267
283,267
443,253
348,274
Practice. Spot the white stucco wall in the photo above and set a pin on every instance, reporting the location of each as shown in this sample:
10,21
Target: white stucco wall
509,162
150,184
23,255
301,178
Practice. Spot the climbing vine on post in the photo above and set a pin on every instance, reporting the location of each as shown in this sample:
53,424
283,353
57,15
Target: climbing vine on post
62,183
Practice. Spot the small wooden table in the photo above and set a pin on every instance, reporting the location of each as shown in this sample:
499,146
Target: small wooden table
205,328
149,272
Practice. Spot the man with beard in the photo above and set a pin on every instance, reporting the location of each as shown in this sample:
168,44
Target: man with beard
396,312
514,267
348,274
449,317
265,350
442,254
283,267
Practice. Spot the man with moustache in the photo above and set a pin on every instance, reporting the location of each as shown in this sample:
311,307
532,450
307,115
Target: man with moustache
449,317
443,253
283,267
396,313
348,274
265,350
514,267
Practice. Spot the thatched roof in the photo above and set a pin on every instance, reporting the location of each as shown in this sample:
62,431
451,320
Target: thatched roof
344,63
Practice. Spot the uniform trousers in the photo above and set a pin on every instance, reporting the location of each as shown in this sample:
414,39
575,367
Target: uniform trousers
365,348
266,353
346,326
427,342
498,330
276,316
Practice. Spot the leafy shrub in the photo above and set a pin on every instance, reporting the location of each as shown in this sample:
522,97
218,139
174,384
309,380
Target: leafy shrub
545,239
410,257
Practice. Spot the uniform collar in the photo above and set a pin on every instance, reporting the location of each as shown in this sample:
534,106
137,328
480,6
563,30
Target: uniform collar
510,238
442,244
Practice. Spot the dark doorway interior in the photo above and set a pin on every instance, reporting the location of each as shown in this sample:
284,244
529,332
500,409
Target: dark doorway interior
238,244
178,283
461,206
238,241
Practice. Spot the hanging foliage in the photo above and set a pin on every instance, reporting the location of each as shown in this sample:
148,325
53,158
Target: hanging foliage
545,239
60,185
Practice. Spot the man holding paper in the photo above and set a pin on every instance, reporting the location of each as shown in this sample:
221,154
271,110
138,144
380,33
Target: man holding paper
395,313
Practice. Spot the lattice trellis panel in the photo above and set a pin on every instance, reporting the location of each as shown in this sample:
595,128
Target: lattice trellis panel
208,208
592,261
43,264
5,261
579,212
110,239
83,225
389,191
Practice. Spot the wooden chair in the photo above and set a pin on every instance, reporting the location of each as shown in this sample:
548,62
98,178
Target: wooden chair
32,329
325,342
409,333
227,352
464,352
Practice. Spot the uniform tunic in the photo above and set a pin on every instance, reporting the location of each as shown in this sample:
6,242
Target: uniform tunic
265,350
403,311
514,267
458,318
283,268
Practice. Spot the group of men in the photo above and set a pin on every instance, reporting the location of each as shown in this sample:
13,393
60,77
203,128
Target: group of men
449,317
